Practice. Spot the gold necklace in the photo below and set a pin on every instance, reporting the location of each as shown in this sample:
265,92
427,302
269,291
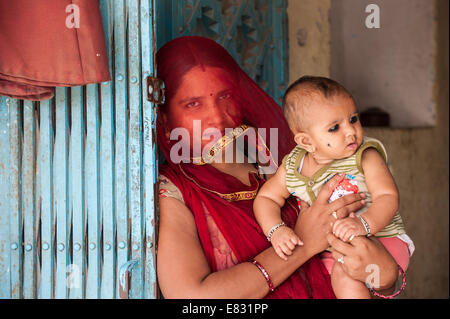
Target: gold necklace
219,145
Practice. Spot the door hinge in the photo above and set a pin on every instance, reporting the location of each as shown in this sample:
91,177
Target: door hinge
155,90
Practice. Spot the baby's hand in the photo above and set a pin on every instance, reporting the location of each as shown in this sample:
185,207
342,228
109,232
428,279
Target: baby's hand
346,227
284,240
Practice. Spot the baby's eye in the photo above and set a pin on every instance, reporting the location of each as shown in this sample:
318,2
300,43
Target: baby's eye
192,104
334,128
354,119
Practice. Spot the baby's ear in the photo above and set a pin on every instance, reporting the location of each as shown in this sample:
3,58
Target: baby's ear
305,141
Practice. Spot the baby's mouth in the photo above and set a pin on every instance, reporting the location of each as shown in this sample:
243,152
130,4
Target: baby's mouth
352,146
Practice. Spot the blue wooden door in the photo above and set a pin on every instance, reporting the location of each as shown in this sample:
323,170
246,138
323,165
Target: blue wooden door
78,175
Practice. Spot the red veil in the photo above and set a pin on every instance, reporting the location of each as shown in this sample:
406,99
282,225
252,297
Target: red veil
203,186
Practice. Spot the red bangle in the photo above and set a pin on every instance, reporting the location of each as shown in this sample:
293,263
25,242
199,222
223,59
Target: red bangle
402,273
265,274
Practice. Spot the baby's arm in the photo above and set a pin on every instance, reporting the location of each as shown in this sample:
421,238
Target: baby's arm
381,186
267,208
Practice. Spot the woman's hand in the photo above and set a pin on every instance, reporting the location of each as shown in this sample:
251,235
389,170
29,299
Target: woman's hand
315,222
365,259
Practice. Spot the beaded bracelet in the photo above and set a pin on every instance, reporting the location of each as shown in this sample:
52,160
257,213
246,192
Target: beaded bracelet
273,229
365,225
373,292
265,274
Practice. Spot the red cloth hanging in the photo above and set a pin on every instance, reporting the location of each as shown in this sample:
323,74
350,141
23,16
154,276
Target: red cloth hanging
41,46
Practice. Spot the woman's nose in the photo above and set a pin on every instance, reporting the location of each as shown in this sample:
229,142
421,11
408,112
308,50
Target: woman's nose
216,113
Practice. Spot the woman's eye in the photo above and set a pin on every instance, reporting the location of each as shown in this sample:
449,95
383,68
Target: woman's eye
225,96
354,119
334,128
192,104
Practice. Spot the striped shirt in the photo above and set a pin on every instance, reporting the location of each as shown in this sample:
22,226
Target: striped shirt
306,189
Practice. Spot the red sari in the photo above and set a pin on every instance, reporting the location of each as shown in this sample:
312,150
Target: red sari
228,200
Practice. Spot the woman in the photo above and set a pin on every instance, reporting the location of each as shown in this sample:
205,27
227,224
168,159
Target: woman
209,243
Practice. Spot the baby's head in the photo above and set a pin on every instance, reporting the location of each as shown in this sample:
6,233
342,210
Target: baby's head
323,118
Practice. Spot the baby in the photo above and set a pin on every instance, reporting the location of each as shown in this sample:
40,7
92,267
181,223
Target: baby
323,118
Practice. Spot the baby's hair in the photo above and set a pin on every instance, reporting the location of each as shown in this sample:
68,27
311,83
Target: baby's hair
309,85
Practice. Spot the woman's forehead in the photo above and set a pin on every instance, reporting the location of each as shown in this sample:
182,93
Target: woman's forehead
204,81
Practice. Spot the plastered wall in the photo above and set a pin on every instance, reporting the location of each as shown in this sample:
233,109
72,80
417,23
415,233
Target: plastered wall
418,157
377,63
309,38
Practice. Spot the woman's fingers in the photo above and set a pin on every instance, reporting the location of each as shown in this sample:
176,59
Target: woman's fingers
328,188
355,206
359,253
348,262
339,245
346,204
336,254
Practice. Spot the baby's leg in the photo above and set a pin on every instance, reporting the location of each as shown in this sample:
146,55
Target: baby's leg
398,249
346,287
